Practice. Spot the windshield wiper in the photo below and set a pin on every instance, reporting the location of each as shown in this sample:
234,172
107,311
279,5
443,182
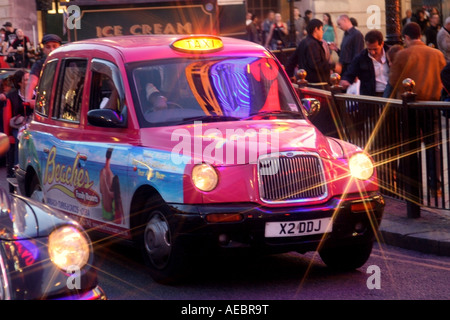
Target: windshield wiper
273,112
212,118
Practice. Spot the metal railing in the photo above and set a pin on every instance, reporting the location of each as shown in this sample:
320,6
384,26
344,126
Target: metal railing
409,142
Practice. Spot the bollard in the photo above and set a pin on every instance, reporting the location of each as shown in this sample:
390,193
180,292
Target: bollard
301,75
335,80
411,144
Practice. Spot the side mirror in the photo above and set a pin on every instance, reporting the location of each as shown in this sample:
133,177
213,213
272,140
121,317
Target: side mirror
107,118
312,106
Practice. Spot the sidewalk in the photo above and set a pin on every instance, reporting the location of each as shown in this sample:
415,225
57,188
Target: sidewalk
429,234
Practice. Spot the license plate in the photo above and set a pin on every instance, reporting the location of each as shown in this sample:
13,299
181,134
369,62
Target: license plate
298,228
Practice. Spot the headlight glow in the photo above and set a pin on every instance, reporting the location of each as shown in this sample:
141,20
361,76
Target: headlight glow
68,247
361,166
204,177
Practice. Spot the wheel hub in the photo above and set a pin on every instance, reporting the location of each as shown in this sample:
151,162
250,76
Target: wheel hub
157,240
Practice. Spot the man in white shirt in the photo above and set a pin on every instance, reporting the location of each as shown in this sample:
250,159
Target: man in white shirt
370,66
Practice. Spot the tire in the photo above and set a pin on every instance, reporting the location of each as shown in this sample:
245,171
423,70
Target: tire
348,257
160,248
35,190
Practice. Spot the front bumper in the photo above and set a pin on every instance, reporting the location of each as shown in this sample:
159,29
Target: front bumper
353,220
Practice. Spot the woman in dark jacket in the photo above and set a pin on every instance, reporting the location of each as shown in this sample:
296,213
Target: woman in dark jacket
15,114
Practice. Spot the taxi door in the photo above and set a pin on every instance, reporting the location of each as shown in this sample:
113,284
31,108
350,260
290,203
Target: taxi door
57,135
106,144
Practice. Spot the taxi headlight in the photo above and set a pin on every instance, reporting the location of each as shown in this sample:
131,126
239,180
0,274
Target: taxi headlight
204,177
68,247
361,166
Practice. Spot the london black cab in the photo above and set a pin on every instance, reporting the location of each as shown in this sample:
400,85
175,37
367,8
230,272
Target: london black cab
190,143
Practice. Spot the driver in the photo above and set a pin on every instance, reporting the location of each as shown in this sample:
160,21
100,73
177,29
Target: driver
155,98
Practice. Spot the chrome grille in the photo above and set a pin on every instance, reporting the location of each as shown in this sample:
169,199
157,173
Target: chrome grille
291,177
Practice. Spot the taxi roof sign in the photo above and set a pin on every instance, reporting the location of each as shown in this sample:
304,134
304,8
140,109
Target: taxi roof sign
198,44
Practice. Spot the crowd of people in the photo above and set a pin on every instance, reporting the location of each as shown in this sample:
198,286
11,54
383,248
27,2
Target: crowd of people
17,90
367,65
16,48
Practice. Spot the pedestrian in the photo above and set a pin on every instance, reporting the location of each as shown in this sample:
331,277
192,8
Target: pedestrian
277,33
408,18
4,44
421,20
432,30
6,86
423,65
308,16
21,50
311,56
390,55
354,22
15,115
254,30
370,66
50,42
418,62
270,18
445,79
248,18
329,30
10,33
443,39
299,26
352,43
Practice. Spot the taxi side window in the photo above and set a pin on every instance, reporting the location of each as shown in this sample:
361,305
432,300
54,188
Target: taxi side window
70,91
104,93
107,90
44,92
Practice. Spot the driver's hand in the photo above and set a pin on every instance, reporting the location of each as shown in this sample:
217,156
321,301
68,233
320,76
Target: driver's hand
160,102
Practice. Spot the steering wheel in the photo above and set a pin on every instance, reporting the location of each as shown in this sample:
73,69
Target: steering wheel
173,105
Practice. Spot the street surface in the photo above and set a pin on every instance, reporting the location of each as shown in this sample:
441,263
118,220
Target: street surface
403,274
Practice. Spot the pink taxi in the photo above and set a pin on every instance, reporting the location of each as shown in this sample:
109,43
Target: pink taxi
193,143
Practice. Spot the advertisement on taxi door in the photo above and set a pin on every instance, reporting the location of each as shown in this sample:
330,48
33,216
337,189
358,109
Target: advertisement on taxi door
94,183
86,184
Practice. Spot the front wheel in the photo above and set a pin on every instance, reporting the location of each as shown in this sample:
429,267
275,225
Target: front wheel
347,257
161,251
35,190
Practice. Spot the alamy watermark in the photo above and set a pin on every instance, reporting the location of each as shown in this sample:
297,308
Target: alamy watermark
236,146
374,20
374,280
73,20
74,279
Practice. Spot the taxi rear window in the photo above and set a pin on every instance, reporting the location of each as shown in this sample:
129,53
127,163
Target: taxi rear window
179,91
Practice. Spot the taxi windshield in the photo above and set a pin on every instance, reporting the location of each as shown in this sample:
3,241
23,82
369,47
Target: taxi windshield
181,91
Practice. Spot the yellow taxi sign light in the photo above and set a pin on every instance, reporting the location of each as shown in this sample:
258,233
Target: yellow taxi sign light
198,44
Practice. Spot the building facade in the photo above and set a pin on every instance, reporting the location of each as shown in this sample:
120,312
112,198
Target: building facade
22,14
36,17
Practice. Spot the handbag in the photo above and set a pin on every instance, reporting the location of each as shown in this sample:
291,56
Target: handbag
17,121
